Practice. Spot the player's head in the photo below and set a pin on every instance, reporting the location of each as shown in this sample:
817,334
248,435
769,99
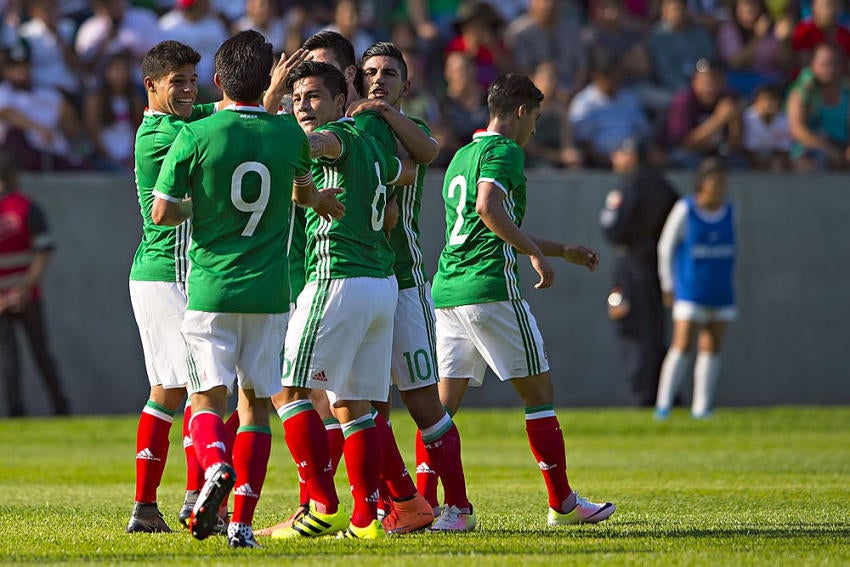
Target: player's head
331,47
318,94
8,173
710,188
514,98
170,77
628,156
384,73
242,66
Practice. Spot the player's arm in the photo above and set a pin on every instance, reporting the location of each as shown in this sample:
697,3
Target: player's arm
671,235
172,203
422,147
167,211
324,144
324,202
391,214
490,208
573,253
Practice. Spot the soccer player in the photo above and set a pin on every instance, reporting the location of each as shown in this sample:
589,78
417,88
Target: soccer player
239,191
696,264
157,280
340,335
414,364
482,318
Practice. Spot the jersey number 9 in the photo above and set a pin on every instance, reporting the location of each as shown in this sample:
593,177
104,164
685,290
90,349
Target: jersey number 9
257,207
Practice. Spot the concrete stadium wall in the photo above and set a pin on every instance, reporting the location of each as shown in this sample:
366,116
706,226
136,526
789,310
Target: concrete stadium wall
788,346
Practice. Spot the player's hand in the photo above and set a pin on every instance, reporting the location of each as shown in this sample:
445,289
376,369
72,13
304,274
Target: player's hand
284,67
18,298
544,270
367,105
581,256
328,206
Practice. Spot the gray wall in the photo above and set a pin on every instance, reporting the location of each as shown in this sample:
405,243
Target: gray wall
788,346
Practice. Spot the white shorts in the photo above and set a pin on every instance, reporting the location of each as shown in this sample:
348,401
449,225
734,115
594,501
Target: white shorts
340,338
502,335
159,308
414,363
228,347
702,314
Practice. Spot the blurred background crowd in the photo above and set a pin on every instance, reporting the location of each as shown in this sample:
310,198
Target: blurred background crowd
760,82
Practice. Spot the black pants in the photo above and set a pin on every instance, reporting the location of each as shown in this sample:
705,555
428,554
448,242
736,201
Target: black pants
641,333
32,321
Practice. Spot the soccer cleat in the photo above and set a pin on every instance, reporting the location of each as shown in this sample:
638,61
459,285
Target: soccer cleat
373,531
241,536
146,518
314,524
221,524
702,415
661,414
585,512
188,503
408,516
204,519
453,519
300,511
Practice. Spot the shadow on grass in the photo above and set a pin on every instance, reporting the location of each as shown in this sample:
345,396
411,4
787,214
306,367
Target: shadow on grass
622,530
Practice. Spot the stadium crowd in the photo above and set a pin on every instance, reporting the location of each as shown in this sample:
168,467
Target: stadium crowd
759,82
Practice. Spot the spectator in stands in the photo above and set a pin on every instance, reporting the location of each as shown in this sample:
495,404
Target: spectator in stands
638,14
193,23
228,10
463,109
541,35
710,14
818,112
51,41
767,138
675,44
603,114
347,24
25,248
822,27
262,16
433,18
37,122
113,112
479,31
115,27
419,102
755,51
552,143
703,119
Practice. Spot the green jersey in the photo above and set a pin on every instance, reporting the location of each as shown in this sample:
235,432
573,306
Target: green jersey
355,245
240,183
476,266
161,255
295,250
405,236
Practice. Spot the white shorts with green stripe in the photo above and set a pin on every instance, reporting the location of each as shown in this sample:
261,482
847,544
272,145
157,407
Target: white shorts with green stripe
414,362
502,335
240,347
159,308
340,338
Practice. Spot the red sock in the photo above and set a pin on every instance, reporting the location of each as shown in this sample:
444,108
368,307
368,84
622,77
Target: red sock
547,445
151,449
208,436
393,470
251,450
194,472
363,452
444,453
336,440
308,444
426,476
231,427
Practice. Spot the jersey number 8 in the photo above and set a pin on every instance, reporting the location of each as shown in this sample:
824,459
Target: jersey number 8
258,207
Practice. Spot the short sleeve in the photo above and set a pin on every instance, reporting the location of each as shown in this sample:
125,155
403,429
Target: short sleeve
174,181
201,111
42,240
344,137
502,165
375,126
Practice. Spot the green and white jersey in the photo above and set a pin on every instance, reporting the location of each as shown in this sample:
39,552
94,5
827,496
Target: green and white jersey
295,250
405,236
240,182
476,266
355,245
161,255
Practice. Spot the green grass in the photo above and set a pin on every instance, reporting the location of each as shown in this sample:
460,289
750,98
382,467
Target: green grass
765,486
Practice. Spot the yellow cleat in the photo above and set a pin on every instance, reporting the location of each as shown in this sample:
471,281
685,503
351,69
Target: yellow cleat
372,531
315,524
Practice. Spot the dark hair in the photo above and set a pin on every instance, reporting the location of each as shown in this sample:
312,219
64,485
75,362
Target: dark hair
342,49
167,56
331,77
709,166
104,92
604,62
243,64
769,90
386,49
509,92
8,171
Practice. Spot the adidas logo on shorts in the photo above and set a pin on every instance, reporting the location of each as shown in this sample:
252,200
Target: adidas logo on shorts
320,376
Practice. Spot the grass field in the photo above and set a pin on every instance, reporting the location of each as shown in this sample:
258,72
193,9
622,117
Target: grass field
766,486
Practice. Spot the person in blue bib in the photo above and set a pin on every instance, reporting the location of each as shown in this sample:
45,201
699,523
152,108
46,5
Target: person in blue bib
696,263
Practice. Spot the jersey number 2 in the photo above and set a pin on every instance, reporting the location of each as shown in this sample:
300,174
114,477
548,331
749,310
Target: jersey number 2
258,207
458,182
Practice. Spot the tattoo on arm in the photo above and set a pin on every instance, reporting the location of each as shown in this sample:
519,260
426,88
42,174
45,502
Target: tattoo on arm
317,145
